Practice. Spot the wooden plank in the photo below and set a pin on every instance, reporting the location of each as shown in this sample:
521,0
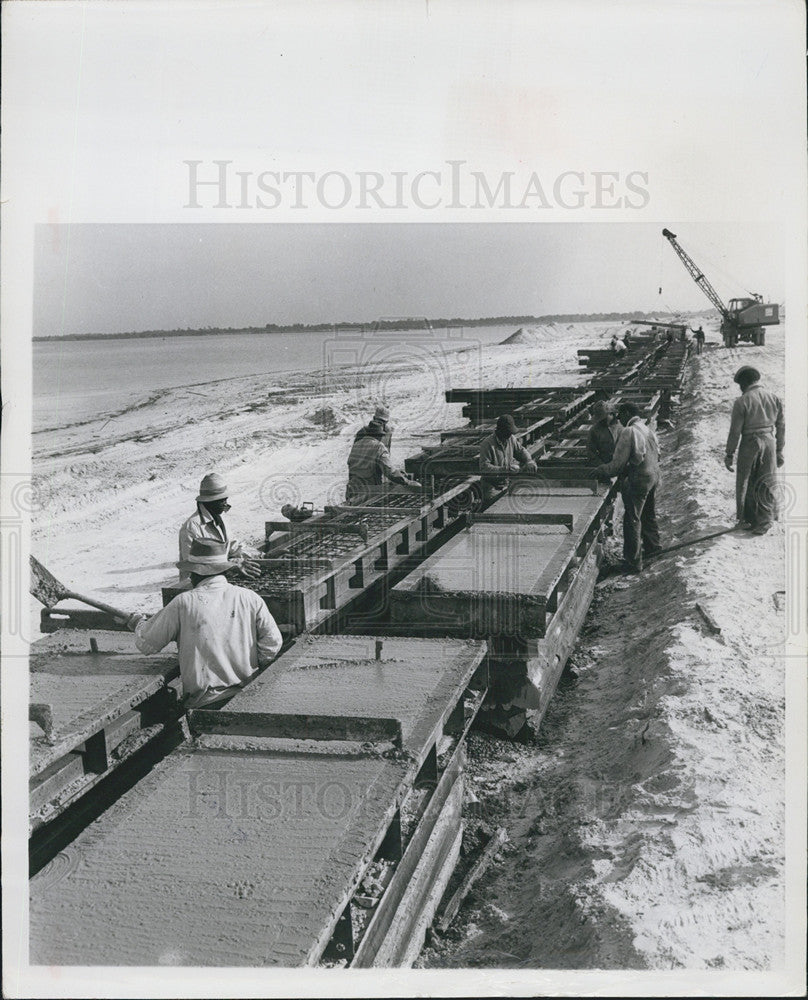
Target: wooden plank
53,619
54,779
416,909
385,911
709,621
362,729
528,517
487,856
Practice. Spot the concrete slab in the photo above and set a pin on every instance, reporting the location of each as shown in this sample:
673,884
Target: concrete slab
82,691
414,680
502,579
489,559
217,859
582,504
246,855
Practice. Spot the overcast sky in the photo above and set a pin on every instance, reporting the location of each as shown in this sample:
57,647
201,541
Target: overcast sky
116,278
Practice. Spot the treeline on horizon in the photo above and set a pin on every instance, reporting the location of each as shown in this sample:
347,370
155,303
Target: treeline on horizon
387,324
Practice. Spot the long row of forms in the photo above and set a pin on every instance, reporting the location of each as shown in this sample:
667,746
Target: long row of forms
317,819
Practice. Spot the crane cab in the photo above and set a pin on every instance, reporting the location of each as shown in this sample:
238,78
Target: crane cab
754,312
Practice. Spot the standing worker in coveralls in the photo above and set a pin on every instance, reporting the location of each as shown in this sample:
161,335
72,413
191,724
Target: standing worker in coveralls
636,462
759,424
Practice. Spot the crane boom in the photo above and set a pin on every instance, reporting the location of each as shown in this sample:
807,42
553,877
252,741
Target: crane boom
696,273
745,318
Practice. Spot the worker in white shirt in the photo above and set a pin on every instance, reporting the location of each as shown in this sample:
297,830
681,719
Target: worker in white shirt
208,522
224,633
617,345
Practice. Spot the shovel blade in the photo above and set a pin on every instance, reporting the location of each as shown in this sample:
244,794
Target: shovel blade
44,586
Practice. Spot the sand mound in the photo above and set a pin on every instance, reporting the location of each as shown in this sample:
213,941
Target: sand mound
532,335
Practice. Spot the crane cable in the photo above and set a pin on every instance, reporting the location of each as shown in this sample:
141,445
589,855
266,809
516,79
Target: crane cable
673,312
731,279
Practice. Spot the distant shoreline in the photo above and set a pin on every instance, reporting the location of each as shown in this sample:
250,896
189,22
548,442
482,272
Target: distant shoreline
382,325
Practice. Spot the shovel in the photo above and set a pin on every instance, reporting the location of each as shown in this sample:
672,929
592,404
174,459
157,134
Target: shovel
47,589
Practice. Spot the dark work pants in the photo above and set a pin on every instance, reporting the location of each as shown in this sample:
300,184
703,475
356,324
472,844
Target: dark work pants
640,529
757,466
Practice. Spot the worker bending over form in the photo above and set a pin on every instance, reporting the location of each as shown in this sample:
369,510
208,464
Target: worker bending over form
501,452
369,465
636,464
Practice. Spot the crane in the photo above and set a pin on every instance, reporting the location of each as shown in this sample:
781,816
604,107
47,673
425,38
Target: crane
744,318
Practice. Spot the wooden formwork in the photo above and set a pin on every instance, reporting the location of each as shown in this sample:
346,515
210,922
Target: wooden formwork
546,546
272,837
315,568
503,574
527,405
94,700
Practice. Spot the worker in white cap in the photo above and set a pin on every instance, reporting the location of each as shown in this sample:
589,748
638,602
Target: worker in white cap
208,522
370,467
224,633
382,417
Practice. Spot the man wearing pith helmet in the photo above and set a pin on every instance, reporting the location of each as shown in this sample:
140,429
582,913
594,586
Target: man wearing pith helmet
224,633
208,522
758,423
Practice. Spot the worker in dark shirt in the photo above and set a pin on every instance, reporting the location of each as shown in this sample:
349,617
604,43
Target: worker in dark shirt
381,416
502,452
603,433
636,463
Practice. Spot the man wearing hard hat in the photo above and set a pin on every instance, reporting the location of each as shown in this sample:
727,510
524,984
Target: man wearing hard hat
758,424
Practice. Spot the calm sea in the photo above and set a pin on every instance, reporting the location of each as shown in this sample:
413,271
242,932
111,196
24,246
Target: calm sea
78,380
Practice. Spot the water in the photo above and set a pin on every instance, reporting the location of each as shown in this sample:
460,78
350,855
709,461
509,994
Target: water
78,380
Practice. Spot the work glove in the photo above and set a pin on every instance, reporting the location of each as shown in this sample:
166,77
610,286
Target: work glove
134,620
728,462
780,460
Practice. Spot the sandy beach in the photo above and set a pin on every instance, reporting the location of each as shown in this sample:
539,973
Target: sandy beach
112,492
646,822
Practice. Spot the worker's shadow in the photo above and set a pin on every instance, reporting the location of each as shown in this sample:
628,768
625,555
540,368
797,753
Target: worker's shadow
128,572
